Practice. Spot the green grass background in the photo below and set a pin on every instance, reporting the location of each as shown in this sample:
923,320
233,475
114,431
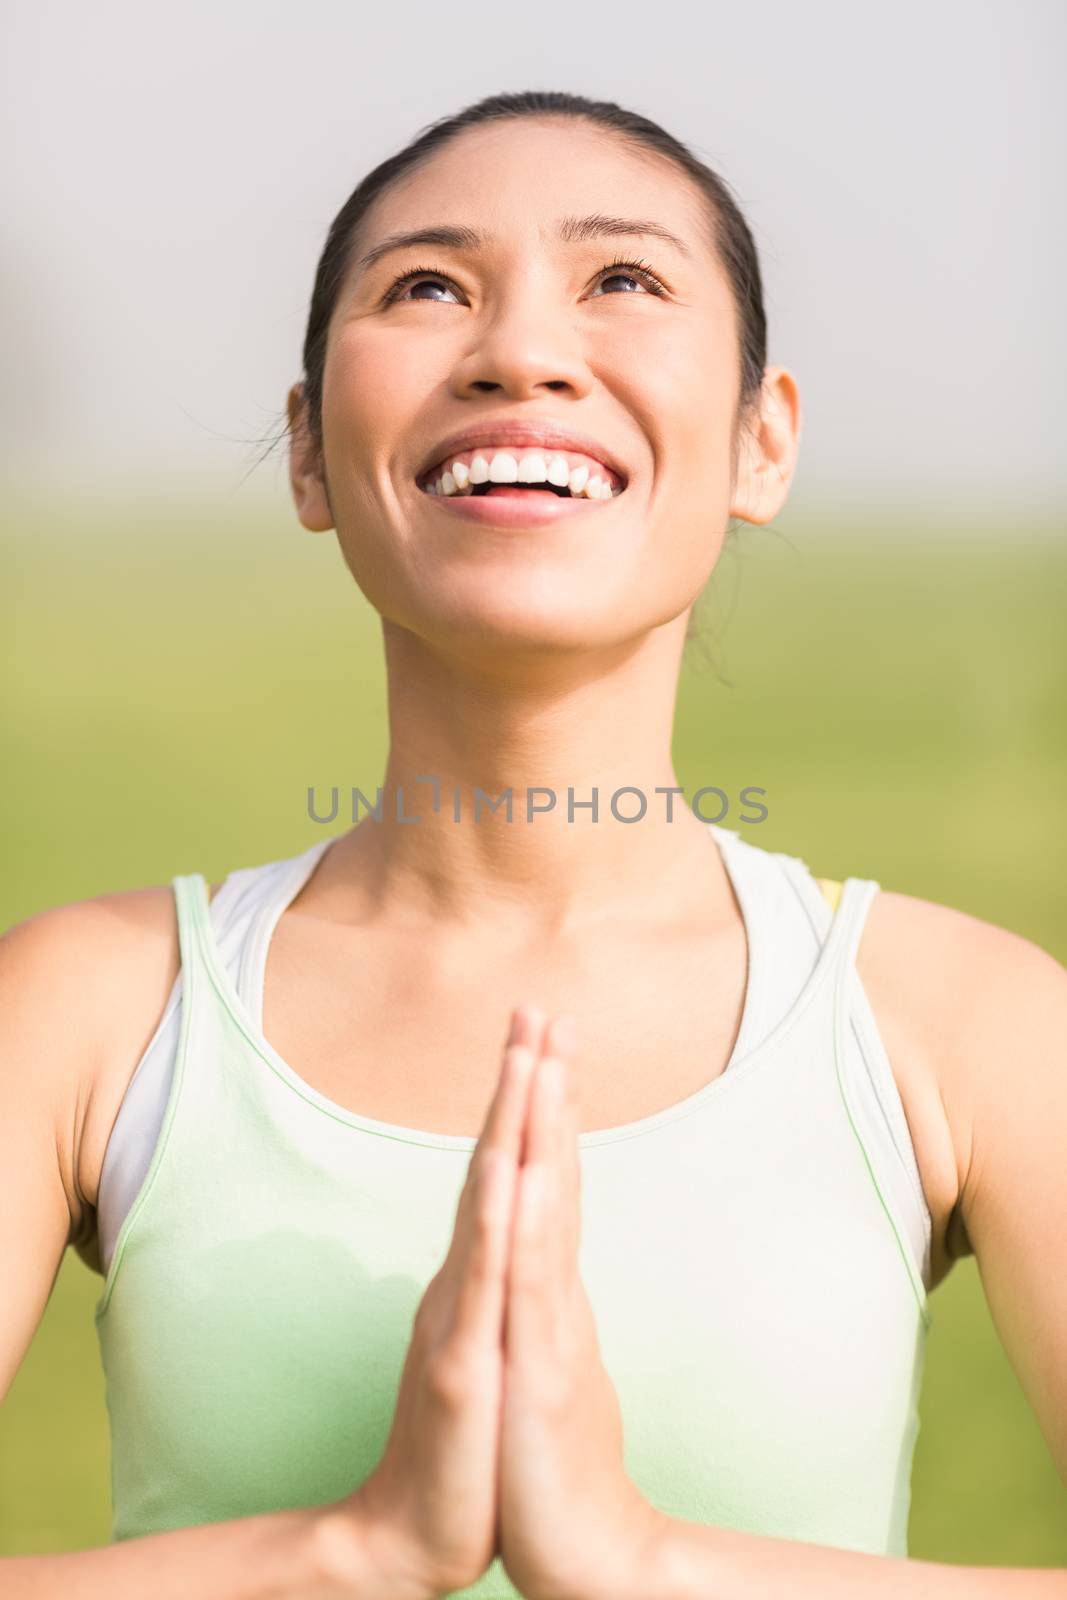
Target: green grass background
174,681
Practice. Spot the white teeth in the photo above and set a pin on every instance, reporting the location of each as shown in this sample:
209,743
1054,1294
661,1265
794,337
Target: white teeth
532,469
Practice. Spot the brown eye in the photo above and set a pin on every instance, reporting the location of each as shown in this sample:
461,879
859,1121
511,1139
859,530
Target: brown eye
633,272
621,277
417,277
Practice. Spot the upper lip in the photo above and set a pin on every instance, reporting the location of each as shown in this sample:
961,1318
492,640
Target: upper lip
529,431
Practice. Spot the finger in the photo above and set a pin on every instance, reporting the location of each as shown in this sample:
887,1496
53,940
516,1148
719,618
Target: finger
481,1295
529,1307
552,1121
502,1130
541,1237
552,1143
481,1234
534,1262
507,1109
527,1024
530,1022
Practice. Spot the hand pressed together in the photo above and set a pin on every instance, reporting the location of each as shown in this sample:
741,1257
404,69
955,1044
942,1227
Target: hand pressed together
507,1436
573,1526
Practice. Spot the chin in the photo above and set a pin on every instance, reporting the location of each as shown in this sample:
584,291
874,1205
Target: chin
514,625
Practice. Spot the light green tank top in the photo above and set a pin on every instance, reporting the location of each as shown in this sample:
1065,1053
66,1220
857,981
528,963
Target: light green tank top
757,1307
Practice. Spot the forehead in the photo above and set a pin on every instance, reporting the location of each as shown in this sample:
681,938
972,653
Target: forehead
523,174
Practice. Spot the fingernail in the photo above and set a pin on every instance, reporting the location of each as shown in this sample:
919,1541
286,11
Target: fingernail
523,1018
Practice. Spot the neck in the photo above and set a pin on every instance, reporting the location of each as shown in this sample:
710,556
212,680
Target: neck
557,733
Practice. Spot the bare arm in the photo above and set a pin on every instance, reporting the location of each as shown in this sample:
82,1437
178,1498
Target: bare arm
283,1555
1003,1078
49,975
692,1562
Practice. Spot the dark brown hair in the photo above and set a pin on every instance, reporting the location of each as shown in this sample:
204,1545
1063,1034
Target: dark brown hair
729,231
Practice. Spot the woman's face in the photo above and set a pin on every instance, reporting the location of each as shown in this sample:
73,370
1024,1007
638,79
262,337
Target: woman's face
534,327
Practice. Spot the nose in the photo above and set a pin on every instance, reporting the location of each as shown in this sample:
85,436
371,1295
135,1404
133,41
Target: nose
524,347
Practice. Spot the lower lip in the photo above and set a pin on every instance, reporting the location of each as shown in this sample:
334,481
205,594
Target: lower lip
515,508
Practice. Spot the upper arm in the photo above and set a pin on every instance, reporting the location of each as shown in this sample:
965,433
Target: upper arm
82,990
45,1062
1004,1076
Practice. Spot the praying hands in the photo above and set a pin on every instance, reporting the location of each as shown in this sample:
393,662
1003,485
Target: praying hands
507,1437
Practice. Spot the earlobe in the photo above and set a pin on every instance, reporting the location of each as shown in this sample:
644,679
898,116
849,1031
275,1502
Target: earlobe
768,452
305,469
745,502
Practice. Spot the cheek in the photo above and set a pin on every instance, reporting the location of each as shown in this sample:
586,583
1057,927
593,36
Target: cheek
361,422
354,397
682,390
374,386
688,402
690,493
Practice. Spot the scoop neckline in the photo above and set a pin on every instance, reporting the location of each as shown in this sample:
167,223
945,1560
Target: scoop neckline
738,1064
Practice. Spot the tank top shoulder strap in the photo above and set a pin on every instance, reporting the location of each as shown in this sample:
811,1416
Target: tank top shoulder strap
272,888
871,1096
840,941
867,1085
849,916
192,901
820,897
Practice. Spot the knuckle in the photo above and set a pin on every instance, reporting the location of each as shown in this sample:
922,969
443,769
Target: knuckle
486,1171
447,1379
483,1227
427,1312
430,1296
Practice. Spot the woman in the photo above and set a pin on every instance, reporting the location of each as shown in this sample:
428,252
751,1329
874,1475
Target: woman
652,1323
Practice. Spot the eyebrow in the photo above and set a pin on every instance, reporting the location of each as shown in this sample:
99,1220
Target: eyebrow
573,230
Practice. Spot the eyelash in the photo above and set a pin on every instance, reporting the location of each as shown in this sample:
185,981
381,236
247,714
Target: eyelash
639,269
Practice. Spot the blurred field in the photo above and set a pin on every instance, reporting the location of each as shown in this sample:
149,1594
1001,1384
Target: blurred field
174,683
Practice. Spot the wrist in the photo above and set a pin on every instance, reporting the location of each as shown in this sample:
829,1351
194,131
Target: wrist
641,1566
677,1560
652,1568
355,1557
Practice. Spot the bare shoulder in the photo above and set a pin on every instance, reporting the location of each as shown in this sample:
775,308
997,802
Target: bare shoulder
90,981
947,990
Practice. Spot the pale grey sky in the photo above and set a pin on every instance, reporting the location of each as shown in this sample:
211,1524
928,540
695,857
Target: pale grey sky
172,172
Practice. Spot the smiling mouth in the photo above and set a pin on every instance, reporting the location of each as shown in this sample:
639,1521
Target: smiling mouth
520,474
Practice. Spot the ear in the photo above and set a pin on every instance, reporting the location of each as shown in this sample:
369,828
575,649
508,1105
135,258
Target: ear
305,468
768,450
